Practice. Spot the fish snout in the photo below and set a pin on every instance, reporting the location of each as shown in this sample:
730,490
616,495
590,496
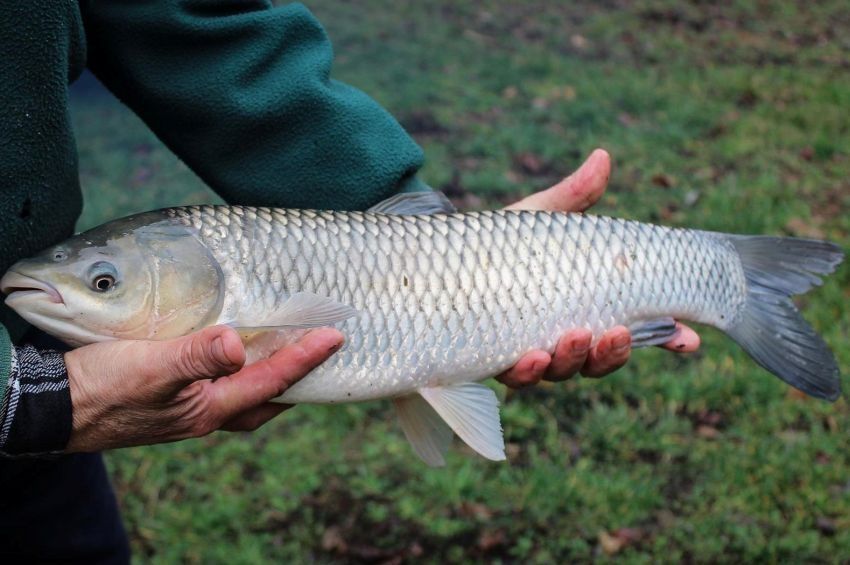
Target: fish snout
17,286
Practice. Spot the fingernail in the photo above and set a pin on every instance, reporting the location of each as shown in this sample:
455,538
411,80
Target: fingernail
621,342
581,346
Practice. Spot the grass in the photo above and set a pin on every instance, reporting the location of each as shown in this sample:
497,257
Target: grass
731,117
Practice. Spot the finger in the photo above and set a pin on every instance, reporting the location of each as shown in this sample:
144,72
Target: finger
528,370
610,353
570,355
209,353
253,418
577,192
267,379
685,341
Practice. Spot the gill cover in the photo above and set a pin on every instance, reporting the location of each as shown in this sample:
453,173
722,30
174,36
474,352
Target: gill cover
187,281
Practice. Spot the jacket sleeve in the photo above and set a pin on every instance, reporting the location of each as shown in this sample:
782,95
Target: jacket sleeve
241,91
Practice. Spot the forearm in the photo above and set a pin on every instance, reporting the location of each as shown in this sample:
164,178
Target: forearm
243,94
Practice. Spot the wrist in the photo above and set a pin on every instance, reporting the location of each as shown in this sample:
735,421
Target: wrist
87,408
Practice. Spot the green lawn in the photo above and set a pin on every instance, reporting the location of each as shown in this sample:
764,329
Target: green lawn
732,118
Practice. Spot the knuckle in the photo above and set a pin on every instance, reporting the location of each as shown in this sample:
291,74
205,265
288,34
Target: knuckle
186,358
203,425
193,360
202,417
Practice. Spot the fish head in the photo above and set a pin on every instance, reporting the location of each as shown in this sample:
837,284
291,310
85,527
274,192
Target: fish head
142,277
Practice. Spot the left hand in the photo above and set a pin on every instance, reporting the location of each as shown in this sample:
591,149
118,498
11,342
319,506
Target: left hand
573,353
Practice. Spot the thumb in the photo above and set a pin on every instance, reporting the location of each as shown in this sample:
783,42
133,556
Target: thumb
577,192
209,353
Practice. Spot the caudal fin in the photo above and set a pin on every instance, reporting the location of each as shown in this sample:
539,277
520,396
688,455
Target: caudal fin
771,328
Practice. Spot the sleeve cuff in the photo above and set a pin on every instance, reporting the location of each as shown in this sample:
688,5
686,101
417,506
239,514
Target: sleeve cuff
5,366
36,410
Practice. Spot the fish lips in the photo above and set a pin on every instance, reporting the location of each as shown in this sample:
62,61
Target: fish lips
20,288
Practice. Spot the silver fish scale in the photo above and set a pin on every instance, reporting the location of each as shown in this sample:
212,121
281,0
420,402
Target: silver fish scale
456,298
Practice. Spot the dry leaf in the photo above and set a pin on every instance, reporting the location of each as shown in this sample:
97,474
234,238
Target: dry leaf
663,180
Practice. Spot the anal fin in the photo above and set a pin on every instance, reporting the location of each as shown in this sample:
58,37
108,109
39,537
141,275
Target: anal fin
472,411
427,433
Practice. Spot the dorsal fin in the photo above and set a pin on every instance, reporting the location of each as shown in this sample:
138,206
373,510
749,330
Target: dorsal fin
415,204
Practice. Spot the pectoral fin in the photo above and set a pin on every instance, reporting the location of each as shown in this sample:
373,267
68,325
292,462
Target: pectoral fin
427,433
261,343
302,310
472,411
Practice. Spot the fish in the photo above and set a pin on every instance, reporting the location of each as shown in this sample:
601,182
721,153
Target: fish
432,301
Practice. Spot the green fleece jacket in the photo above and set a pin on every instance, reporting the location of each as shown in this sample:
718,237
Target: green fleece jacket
238,89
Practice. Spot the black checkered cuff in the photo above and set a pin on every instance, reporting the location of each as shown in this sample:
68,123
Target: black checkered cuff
35,415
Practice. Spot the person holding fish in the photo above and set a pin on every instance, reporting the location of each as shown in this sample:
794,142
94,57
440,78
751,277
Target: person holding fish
241,92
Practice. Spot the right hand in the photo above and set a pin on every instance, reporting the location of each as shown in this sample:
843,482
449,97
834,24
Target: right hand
127,393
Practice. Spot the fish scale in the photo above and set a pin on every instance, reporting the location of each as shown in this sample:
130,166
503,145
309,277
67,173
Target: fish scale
453,298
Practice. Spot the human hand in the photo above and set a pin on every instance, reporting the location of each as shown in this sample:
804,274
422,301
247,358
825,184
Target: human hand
128,393
573,353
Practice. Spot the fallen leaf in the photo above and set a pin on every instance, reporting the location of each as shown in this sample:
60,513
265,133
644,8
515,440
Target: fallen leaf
709,418
565,92
579,41
619,539
663,180
540,103
609,544
415,549
332,540
475,510
491,539
826,526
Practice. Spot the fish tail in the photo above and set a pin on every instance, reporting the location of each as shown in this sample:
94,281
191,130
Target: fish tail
770,328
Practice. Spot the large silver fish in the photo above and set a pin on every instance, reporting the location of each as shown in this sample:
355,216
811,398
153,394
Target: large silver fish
431,301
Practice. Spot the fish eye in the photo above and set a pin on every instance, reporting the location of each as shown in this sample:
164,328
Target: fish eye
103,283
103,276
60,255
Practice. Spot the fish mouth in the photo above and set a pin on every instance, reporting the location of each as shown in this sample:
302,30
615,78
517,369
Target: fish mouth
19,287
